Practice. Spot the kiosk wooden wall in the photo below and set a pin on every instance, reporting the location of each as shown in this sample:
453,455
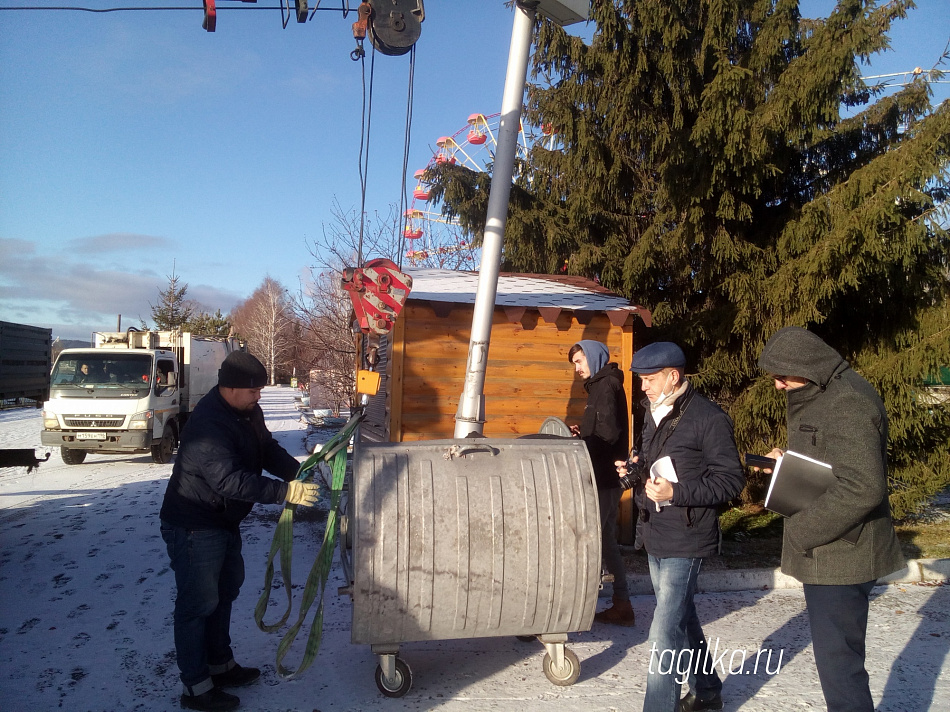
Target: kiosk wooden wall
528,377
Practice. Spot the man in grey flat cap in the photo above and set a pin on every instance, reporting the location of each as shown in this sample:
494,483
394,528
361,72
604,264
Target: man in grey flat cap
692,438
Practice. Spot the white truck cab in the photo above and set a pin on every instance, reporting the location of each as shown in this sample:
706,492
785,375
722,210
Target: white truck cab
131,392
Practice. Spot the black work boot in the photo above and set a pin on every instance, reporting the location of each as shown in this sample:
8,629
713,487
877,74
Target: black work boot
236,677
691,703
214,700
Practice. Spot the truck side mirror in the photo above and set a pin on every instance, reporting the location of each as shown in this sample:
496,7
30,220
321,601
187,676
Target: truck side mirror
172,379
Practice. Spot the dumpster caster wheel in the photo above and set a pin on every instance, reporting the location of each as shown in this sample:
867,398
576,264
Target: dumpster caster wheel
400,682
527,638
567,673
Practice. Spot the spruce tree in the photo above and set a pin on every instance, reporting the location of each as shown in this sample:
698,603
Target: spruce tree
208,324
173,311
710,170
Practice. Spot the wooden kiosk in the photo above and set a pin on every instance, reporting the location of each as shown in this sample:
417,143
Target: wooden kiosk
536,320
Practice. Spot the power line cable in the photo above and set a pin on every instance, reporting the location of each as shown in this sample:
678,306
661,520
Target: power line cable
344,8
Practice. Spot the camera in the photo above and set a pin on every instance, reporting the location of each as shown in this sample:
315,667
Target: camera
635,471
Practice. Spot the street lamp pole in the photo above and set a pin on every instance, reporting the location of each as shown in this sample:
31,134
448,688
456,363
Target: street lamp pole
470,416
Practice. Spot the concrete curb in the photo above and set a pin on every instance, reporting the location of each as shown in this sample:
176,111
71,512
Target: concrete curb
719,580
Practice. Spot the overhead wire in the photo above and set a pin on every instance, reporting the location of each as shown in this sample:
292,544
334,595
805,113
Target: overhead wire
367,104
344,8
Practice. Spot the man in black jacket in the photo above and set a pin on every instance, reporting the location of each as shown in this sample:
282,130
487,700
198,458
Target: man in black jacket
679,519
604,429
216,479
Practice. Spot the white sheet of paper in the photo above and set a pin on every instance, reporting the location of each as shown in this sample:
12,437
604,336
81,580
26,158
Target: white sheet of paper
663,468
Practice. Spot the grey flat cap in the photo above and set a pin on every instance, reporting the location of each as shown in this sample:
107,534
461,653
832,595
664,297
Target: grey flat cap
656,357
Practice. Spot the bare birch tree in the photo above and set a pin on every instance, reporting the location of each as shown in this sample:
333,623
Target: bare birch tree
324,309
325,314
266,320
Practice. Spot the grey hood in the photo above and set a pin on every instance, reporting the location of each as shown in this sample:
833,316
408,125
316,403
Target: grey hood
596,353
794,351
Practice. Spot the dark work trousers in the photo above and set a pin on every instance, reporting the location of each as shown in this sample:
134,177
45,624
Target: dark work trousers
609,500
209,571
838,616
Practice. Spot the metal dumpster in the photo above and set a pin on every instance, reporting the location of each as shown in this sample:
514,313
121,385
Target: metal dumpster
472,537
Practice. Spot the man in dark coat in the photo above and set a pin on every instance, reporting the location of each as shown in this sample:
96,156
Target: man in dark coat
837,417
217,477
604,429
689,438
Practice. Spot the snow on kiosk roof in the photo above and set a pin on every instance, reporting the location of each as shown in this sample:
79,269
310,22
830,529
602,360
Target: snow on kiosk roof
519,292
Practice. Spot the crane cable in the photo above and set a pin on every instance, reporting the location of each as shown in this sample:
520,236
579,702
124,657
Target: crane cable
365,132
400,235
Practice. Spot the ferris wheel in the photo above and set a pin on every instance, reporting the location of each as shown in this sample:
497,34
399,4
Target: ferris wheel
433,239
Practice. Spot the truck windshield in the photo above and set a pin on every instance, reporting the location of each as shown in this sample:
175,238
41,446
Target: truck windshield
102,371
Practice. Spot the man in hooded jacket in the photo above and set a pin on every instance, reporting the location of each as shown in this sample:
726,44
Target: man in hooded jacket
836,416
217,477
604,428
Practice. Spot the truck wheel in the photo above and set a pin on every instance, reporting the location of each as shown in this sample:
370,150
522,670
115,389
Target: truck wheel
162,452
71,456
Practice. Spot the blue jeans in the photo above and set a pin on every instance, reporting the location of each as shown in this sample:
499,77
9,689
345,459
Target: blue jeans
838,617
678,650
209,571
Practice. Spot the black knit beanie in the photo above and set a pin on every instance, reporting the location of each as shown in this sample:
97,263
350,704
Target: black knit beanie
241,370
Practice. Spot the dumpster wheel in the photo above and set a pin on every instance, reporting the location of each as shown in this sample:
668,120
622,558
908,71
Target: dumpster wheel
401,680
563,675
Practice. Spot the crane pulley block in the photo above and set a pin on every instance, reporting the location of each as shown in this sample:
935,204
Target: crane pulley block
394,25
378,291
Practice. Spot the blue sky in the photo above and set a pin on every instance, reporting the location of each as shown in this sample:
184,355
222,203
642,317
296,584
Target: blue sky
133,141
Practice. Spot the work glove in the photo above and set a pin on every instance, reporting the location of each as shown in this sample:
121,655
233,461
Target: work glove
299,492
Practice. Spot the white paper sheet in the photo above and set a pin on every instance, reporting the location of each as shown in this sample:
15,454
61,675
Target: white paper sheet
663,468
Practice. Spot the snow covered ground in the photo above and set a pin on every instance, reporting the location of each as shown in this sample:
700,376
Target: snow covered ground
86,601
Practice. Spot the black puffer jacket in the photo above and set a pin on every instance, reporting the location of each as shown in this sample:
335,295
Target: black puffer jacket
217,476
703,450
838,418
605,424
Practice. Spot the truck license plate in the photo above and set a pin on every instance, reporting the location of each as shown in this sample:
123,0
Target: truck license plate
90,436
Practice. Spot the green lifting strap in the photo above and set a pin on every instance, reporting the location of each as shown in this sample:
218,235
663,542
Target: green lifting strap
334,453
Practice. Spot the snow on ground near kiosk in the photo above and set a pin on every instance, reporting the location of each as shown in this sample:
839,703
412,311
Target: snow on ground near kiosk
86,601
